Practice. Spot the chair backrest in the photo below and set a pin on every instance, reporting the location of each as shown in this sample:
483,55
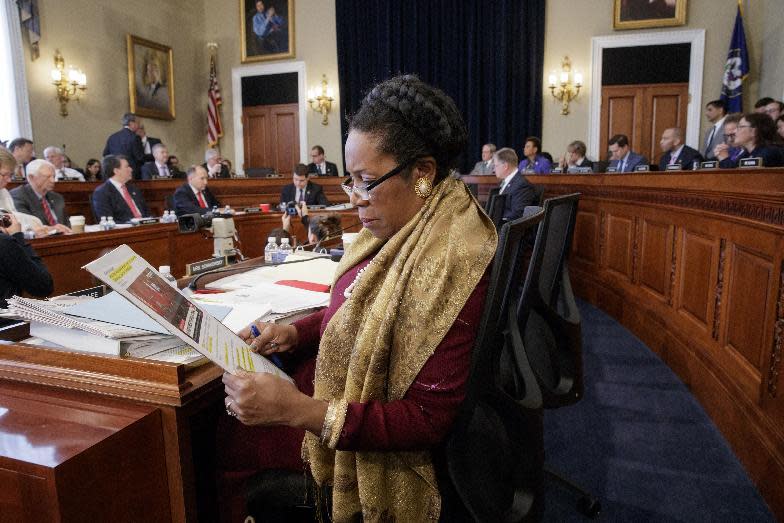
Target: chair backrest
539,191
492,192
547,315
495,452
495,208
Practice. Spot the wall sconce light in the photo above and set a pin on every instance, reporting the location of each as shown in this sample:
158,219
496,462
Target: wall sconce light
565,86
321,101
70,84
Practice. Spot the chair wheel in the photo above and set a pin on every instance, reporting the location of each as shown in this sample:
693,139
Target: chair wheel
588,506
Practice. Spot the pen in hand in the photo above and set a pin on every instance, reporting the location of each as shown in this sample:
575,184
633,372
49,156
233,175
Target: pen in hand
273,357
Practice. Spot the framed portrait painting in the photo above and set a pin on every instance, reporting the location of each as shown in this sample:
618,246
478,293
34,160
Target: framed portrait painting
636,14
267,28
150,78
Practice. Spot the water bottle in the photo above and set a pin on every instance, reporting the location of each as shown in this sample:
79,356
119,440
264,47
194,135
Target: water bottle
165,271
227,209
271,250
104,224
110,223
284,251
166,218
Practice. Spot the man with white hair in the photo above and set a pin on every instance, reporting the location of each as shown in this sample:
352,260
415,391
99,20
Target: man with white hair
38,198
55,156
159,167
214,164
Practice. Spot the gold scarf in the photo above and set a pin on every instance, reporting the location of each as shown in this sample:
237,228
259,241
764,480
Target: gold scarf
377,342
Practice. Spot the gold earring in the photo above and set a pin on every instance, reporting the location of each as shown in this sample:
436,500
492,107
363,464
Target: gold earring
423,187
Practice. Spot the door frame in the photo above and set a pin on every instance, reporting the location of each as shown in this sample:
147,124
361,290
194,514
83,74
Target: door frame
237,74
695,37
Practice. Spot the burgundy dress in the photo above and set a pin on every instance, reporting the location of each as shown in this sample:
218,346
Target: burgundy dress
420,420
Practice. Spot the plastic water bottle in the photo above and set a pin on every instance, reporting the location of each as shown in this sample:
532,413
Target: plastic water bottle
271,250
104,224
165,271
110,223
166,218
284,251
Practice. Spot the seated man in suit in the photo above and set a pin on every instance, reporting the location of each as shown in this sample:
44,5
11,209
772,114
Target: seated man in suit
194,196
485,166
675,151
213,162
127,143
116,197
622,157
519,192
22,150
174,167
158,168
55,156
319,165
303,190
38,198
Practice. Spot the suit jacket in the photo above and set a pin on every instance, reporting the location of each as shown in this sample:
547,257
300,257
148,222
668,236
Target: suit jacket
519,194
632,161
585,163
771,155
481,168
127,143
185,201
314,194
332,169
26,201
686,159
718,137
150,171
107,201
224,172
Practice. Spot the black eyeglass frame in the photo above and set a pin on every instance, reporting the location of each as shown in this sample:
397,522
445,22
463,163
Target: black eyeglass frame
349,189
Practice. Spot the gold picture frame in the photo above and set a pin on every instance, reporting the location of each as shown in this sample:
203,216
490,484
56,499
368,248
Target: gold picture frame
150,78
266,29
640,14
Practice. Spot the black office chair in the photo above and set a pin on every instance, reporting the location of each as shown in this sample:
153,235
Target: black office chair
495,452
495,209
493,192
539,191
549,322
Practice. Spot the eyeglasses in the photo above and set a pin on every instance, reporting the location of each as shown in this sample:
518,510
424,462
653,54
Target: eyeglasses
746,126
362,190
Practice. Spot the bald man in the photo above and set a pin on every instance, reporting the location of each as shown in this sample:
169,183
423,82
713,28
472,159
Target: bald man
675,151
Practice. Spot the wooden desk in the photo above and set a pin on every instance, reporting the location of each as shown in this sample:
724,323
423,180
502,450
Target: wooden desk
159,244
693,264
239,192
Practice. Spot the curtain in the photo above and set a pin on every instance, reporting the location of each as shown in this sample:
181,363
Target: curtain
14,103
486,54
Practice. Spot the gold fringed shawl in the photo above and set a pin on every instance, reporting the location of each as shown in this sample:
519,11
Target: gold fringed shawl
377,342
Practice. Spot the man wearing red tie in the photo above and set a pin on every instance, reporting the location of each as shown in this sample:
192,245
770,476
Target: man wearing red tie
37,196
193,196
117,197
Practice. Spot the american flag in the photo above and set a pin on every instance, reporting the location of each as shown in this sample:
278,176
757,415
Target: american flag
214,127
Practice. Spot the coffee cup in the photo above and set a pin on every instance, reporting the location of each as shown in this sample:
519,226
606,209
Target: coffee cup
77,223
265,207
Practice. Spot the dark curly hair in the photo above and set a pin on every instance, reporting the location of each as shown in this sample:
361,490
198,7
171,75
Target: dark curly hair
325,226
412,119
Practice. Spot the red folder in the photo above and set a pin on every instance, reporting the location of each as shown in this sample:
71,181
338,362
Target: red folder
307,285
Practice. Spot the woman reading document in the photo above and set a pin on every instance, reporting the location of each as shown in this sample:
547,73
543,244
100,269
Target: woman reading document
393,349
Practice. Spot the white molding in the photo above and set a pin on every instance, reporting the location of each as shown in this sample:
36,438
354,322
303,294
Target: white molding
695,37
19,83
237,74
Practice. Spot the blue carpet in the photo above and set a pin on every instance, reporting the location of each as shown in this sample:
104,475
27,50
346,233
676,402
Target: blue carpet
641,442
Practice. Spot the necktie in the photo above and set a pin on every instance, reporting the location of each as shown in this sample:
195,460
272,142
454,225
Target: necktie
299,195
164,171
202,203
320,170
673,158
622,167
129,201
48,212
708,151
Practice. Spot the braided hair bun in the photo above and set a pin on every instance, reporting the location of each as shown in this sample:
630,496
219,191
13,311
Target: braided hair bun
410,118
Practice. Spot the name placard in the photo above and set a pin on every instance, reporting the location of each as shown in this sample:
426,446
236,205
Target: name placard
612,170
583,170
642,168
95,292
145,221
252,209
674,167
751,162
711,164
556,170
192,269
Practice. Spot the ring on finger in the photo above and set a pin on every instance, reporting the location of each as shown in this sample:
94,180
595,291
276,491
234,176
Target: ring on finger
229,411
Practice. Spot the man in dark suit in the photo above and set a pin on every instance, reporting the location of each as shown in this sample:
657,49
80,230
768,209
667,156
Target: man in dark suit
148,142
38,198
622,157
213,162
116,197
303,189
194,196
127,143
519,192
675,151
159,167
319,165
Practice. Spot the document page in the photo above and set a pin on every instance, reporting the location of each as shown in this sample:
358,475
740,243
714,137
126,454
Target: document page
130,275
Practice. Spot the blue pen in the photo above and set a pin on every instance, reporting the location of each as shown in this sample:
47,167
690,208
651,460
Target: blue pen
273,357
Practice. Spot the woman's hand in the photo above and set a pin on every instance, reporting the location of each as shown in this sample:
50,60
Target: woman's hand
286,220
15,226
272,338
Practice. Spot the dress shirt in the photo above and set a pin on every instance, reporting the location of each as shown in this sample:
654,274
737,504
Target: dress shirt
66,173
163,170
674,155
622,163
506,181
718,125
123,191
